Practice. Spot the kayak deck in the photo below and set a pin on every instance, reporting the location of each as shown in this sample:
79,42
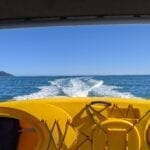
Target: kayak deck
81,123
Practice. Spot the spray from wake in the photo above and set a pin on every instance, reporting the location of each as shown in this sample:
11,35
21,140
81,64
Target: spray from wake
77,87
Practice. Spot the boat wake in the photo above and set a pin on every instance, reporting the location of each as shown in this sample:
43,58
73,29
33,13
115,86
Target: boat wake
77,87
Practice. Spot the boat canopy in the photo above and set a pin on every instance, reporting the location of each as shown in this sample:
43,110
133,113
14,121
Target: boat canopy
16,13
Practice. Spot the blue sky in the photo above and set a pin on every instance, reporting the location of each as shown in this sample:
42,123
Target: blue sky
71,50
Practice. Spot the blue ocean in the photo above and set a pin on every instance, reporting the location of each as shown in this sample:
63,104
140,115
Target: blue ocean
125,86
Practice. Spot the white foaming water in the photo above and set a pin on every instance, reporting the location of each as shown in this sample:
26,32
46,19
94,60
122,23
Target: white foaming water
77,87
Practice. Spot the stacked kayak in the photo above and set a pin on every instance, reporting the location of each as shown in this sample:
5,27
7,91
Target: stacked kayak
75,124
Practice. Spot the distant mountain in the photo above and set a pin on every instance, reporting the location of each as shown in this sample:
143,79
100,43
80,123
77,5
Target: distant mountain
2,73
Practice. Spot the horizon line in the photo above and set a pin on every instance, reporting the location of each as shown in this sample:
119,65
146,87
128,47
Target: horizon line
88,75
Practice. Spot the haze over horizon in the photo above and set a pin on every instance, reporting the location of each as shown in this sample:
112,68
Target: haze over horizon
76,50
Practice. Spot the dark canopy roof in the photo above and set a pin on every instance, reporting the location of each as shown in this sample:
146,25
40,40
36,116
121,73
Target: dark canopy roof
35,12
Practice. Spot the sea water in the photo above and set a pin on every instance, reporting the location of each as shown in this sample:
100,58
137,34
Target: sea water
125,86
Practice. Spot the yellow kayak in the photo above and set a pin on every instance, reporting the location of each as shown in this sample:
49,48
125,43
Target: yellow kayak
76,124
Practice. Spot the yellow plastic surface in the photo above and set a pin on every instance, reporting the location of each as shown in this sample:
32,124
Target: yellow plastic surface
76,124
114,134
